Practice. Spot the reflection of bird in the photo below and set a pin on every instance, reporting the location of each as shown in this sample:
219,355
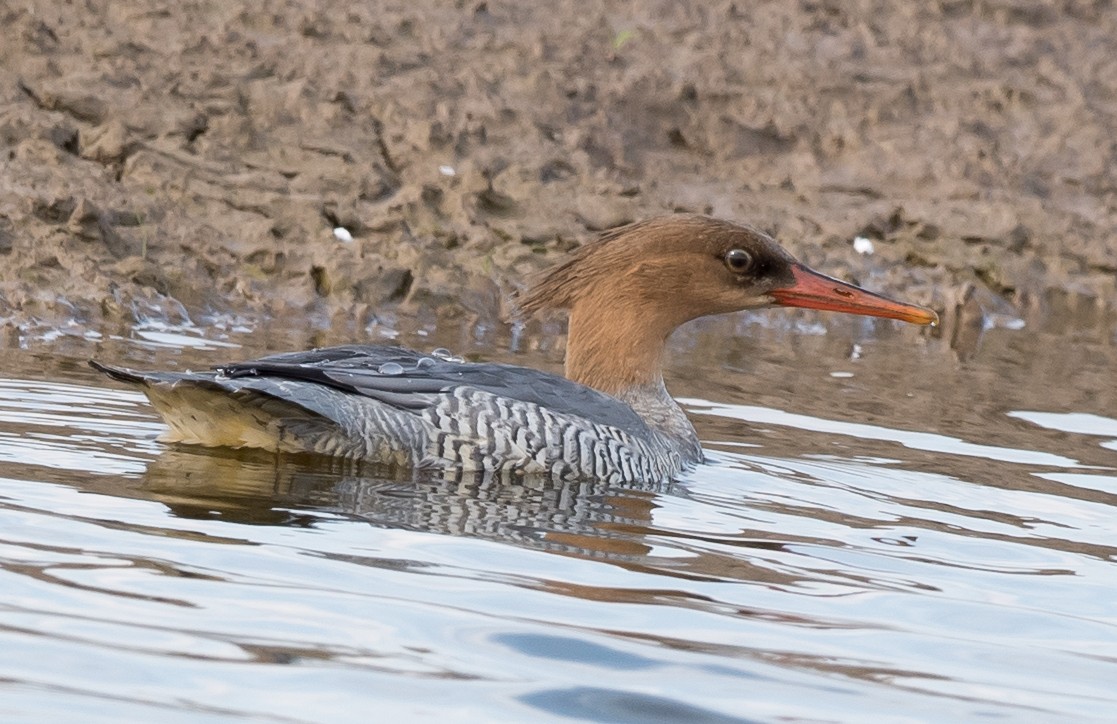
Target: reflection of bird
610,419
590,517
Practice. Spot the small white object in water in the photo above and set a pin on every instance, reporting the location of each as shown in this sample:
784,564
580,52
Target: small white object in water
862,245
447,171
841,375
342,234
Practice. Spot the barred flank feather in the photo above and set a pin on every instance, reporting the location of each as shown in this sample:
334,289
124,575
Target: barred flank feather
478,430
464,428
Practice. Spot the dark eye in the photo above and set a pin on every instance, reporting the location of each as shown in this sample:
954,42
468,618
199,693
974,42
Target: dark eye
738,260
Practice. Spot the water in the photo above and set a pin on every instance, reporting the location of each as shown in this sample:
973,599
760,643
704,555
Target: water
886,528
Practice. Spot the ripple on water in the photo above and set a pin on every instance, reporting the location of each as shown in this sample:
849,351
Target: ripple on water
814,568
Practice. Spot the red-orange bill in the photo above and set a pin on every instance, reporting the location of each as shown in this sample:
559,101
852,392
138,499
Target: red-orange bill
812,290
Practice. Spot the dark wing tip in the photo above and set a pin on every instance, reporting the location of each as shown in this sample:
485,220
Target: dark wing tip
120,374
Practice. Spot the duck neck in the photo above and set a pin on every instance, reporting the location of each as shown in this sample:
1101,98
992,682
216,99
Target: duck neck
620,353
616,352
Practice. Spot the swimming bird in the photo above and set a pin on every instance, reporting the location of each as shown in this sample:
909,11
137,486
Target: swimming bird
609,418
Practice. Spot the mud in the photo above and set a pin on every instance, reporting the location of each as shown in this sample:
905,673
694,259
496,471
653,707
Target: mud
192,160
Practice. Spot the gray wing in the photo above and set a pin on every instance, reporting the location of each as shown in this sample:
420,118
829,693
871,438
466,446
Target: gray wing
410,380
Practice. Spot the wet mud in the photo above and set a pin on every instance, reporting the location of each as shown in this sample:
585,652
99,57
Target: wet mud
193,160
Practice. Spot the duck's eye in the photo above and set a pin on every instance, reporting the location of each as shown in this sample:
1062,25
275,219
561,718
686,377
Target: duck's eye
738,260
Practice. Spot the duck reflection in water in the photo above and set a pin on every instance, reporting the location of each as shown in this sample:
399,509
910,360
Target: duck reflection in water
538,511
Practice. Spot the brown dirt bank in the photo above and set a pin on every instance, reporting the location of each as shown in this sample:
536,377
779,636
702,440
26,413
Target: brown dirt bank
205,151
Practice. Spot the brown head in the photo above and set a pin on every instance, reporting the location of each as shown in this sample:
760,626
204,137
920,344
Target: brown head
631,288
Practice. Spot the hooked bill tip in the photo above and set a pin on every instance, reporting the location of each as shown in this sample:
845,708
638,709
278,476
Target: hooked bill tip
811,290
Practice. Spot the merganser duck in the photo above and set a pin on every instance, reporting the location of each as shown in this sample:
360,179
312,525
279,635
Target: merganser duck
610,418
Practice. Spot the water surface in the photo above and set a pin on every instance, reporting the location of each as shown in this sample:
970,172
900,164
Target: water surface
885,525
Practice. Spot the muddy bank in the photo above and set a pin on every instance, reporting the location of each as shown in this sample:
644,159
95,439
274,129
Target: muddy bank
194,160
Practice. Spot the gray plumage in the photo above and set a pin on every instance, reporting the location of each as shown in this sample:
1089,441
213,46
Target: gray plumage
394,406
